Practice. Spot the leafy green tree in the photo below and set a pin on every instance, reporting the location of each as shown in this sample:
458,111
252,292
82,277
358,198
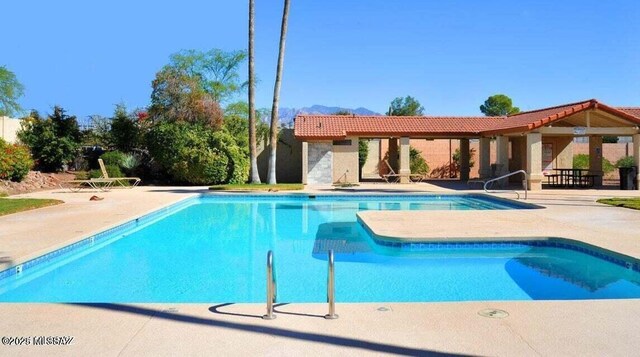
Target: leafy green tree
407,106
10,91
53,141
177,96
215,70
236,120
100,132
498,105
125,132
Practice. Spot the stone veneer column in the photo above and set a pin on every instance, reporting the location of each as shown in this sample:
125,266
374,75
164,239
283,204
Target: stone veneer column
636,157
484,158
595,159
405,160
534,161
464,160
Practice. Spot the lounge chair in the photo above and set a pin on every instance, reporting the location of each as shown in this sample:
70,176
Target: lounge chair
122,181
393,177
96,184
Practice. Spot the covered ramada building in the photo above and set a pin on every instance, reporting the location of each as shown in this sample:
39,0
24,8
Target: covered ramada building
330,142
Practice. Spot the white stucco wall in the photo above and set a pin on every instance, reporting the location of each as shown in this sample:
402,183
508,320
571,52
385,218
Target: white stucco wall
9,128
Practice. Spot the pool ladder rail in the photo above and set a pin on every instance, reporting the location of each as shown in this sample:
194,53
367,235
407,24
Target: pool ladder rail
272,293
524,183
271,287
331,290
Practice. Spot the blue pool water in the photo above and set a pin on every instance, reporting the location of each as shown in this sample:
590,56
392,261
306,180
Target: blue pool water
213,249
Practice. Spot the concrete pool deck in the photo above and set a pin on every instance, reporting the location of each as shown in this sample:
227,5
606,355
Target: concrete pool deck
592,327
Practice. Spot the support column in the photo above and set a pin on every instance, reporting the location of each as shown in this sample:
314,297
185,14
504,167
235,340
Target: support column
502,158
595,159
305,161
464,160
484,158
393,153
636,157
534,161
405,160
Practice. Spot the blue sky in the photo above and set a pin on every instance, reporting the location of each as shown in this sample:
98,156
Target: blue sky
450,55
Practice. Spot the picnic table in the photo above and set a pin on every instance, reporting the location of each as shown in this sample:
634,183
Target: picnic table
571,178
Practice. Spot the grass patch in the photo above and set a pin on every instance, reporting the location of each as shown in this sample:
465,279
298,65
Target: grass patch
258,187
345,185
8,205
633,203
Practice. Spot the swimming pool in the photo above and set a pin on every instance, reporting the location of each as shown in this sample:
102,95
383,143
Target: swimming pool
213,249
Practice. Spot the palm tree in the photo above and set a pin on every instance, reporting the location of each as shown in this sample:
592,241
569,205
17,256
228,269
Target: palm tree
253,152
273,133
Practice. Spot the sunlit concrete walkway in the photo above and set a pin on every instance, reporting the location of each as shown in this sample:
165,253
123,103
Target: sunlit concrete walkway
604,327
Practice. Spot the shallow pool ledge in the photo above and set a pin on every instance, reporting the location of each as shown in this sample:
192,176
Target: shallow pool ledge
471,225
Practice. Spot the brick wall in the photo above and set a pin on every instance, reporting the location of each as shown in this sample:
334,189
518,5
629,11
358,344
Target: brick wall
436,154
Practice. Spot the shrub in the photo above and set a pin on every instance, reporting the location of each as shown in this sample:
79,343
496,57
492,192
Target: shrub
114,158
195,154
15,161
130,163
581,161
626,161
363,151
112,170
418,165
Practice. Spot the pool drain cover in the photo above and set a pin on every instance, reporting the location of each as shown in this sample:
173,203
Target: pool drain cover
493,313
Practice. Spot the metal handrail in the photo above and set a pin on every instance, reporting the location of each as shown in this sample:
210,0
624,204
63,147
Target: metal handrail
331,291
525,183
271,287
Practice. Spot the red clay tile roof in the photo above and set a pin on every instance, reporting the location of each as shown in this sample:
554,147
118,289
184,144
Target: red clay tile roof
635,111
340,126
526,121
329,127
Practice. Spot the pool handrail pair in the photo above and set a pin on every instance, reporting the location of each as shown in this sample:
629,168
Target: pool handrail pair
524,182
272,293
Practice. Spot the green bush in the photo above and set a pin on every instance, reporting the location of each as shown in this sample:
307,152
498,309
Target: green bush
130,163
363,151
581,161
626,161
195,154
417,163
113,158
112,170
15,161
53,141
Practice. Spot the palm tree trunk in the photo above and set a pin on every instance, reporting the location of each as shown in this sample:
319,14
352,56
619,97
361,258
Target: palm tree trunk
273,133
253,151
